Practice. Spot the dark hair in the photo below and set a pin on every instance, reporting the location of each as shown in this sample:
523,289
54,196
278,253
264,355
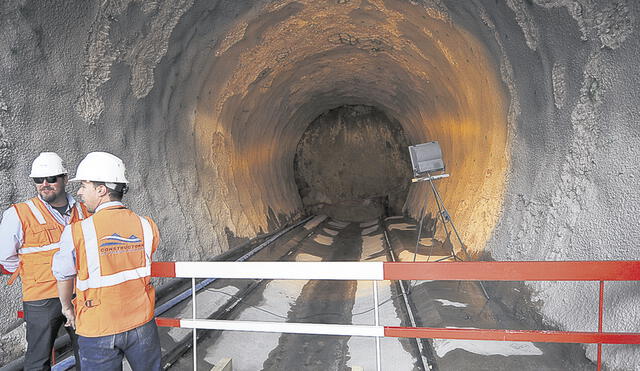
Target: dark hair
114,194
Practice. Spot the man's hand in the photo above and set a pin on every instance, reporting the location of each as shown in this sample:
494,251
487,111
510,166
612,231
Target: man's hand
65,291
70,314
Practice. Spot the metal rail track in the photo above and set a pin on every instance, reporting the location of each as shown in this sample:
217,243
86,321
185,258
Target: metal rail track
426,359
427,355
171,356
226,310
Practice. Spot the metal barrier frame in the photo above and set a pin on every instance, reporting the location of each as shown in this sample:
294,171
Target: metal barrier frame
600,271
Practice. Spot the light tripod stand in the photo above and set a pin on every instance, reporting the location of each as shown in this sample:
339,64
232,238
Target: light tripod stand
426,159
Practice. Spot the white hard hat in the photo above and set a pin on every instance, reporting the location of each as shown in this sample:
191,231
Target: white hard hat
47,164
101,167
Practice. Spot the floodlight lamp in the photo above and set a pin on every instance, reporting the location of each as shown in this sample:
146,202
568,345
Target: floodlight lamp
426,158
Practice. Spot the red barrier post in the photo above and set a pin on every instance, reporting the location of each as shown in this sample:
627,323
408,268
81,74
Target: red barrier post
4,271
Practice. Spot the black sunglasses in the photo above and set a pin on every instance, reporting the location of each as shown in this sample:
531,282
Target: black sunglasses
50,179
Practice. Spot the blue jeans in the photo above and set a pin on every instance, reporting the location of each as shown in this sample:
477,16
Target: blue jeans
140,345
44,319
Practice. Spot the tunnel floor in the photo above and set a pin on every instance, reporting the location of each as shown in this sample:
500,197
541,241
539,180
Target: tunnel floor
436,304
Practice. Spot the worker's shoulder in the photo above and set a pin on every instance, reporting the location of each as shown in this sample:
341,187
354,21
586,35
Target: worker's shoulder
16,207
10,213
24,202
135,214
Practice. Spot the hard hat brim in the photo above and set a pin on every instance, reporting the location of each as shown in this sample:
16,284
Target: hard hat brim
45,174
80,180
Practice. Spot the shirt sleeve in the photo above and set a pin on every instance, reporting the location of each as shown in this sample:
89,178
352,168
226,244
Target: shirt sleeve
64,260
11,239
156,235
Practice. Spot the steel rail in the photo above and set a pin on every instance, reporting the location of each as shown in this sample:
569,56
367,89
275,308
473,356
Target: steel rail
426,364
70,362
173,355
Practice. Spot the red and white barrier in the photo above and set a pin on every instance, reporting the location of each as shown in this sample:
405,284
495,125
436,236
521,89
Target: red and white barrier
282,327
271,270
405,332
375,271
467,271
464,271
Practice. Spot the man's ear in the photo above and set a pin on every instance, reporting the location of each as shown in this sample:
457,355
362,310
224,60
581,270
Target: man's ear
102,190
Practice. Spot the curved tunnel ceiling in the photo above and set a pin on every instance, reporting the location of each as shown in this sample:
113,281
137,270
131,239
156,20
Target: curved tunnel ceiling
274,73
535,103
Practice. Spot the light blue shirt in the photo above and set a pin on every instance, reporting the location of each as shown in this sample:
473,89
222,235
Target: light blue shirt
12,238
64,260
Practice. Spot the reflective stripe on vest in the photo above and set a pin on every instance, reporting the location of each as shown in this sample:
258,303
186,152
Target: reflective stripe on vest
31,250
79,210
96,279
36,212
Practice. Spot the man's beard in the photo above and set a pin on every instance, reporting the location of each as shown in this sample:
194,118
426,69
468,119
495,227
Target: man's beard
51,196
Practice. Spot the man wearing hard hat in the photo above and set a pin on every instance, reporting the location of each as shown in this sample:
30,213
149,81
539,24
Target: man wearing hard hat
29,236
109,255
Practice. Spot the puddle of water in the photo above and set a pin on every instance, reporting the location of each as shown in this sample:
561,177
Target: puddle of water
372,245
369,230
486,347
369,223
407,256
302,257
421,281
208,302
362,349
426,241
448,303
338,224
394,217
330,231
278,296
402,226
323,240
314,222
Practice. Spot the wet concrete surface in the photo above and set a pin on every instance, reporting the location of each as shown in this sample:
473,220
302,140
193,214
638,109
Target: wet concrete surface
335,302
463,305
321,301
209,305
435,304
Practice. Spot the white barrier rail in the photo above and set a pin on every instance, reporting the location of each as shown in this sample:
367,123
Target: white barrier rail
375,271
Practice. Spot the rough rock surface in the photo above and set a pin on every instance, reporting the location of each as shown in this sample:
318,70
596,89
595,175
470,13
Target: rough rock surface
352,164
534,103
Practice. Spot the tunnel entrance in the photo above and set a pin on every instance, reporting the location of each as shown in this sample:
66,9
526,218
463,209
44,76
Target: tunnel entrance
352,164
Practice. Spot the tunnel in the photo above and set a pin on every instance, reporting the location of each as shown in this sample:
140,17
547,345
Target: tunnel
238,118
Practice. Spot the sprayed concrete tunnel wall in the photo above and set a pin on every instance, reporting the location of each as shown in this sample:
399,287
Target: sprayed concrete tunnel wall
533,102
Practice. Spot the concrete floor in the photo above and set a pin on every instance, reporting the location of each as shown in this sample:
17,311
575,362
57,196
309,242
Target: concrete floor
464,305
436,303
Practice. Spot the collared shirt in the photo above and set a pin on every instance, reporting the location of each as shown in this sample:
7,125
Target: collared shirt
11,236
64,261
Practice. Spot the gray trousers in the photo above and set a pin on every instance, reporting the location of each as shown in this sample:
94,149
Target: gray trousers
44,318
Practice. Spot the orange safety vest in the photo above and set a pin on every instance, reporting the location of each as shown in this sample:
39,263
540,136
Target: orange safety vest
41,234
114,249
